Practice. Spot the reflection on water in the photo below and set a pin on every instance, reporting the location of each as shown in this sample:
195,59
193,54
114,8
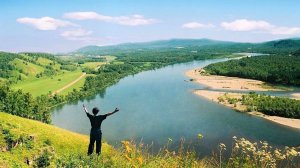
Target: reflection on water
159,104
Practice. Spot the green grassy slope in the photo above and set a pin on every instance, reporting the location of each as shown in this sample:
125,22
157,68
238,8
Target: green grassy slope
39,73
16,129
27,67
24,141
93,65
38,86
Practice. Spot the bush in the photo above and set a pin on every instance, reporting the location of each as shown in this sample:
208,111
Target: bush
44,160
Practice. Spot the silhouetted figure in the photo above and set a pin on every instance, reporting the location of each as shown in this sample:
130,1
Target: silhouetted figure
96,134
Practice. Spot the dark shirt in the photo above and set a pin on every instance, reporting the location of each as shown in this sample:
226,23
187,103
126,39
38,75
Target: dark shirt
96,121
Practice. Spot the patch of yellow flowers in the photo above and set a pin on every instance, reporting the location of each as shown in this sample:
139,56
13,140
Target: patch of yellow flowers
132,154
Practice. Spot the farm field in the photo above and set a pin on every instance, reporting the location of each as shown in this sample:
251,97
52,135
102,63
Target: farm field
93,65
39,86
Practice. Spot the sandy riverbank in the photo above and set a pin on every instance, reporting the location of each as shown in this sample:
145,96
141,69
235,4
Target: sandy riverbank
226,83
214,95
296,96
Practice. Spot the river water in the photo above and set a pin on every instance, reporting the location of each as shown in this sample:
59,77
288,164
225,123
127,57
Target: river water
159,104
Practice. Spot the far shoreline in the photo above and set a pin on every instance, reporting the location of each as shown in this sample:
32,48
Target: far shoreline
226,83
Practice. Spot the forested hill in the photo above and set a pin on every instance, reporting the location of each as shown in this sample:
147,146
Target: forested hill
154,45
285,45
296,53
283,69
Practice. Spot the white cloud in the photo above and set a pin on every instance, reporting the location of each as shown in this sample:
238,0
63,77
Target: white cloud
78,35
45,23
246,25
75,33
259,25
285,30
86,16
134,20
85,39
196,25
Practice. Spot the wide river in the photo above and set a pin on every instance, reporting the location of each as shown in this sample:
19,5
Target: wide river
159,104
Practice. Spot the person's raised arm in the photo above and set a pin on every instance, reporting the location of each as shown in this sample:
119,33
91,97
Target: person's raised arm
116,110
86,111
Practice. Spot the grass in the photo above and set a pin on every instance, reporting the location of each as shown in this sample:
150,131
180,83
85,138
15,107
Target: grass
43,61
93,65
39,86
2,80
27,67
25,143
44,136
109,58
76,86
276,86
37,141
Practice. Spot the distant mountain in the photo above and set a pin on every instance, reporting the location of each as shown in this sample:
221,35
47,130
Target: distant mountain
173,43
286,45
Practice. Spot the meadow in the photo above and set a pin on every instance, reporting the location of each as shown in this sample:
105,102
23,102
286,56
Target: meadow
39,86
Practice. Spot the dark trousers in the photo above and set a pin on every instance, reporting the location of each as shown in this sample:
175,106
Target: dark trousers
95,136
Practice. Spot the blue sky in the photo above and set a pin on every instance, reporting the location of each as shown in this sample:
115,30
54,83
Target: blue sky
62,26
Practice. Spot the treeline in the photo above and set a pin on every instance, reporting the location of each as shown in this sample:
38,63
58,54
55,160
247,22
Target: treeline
171,56
39,54
296,53
105,76
24,105
6,68
274,106
272,69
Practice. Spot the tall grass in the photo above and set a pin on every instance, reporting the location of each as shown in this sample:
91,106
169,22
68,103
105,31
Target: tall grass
243,154
28,143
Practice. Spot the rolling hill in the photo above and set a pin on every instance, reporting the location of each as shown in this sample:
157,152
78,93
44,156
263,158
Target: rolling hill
25,142
160,44
37,73
286,45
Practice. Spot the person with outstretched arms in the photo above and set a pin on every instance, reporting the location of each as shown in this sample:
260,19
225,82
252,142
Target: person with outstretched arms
96,134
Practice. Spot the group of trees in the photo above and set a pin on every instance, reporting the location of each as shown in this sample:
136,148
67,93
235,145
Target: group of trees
272,69
171,55
5,68
296,53
105,76
24,105
274,106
